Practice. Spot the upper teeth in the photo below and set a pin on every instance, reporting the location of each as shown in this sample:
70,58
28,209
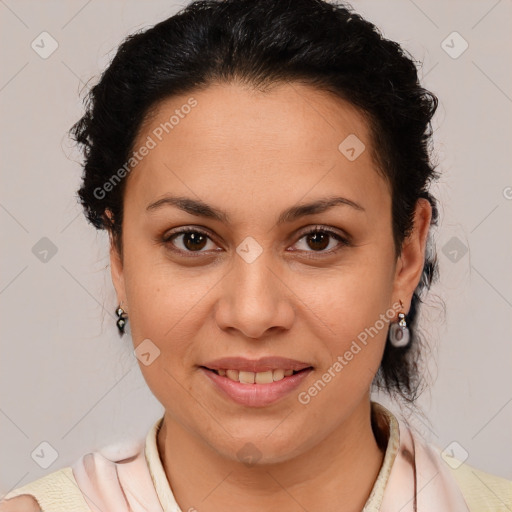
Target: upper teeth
255,377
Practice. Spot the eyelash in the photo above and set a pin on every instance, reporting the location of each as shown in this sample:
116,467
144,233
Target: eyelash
343,242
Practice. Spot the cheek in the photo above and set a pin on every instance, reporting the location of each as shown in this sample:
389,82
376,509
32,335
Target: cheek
350,312
350,297
351,339
168,305
162,295
164,309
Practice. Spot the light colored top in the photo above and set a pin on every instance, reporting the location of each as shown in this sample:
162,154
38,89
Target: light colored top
414,476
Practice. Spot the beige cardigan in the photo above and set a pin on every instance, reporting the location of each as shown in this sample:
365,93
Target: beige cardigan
135,480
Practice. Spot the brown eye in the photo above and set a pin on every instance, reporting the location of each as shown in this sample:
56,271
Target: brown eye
194,241
319,240
189,240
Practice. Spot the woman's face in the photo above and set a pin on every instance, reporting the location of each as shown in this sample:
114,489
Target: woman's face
247,281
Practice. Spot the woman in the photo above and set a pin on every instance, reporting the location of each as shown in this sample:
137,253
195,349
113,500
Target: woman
262,169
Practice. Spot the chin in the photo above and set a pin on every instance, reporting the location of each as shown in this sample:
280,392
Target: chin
256,447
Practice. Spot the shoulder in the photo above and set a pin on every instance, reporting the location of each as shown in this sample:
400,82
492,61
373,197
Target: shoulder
55,491
113,477
22,503
483,492
455,480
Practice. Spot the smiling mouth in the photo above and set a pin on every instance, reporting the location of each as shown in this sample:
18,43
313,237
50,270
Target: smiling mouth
267,377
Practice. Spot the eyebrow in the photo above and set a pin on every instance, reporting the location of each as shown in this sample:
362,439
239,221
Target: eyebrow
201,209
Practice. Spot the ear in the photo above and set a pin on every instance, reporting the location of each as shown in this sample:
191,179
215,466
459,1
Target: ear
116,267
412,258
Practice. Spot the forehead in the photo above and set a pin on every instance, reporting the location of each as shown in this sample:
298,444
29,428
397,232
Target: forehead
290,115
286,142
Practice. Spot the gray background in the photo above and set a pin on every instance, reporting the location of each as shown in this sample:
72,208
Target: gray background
68,380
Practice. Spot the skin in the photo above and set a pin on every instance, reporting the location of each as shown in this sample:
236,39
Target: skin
253,155
21,503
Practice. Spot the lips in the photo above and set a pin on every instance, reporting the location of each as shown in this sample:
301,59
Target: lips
256,383
264,364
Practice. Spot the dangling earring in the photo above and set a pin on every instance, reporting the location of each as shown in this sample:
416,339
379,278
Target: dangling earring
121,318
399,335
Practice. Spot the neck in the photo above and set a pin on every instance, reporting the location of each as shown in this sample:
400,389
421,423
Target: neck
336,474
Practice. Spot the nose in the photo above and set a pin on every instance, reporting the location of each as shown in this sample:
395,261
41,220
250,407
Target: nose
255,300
